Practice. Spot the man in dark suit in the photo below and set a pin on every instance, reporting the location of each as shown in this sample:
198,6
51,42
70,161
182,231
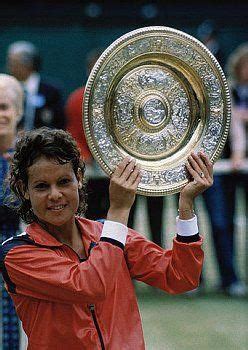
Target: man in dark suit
44,103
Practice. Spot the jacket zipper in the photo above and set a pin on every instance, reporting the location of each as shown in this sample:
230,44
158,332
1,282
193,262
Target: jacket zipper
93,314
92,306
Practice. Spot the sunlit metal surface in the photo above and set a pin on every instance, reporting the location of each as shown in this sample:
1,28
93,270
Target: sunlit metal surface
156,94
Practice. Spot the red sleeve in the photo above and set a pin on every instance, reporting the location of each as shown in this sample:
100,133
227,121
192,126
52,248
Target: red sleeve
41,273
73,110
174,271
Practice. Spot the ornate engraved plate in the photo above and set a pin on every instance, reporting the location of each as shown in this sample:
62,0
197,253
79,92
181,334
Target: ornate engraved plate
156,94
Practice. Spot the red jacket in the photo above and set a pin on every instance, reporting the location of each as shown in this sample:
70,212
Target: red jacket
68,304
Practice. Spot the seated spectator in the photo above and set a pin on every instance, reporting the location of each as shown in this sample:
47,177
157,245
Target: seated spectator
11,110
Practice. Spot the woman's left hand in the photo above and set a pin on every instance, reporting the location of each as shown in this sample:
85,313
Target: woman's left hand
201,170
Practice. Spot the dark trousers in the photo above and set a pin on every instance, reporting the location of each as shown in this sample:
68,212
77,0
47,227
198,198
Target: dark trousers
220,201
155,206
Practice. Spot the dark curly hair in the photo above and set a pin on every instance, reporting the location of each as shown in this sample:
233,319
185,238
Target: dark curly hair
53,144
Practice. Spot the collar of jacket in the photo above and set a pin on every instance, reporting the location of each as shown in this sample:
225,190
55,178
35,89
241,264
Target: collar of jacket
87,227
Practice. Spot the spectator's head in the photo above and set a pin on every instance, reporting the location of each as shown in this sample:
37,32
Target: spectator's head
46,177
237,65
22,59
11,104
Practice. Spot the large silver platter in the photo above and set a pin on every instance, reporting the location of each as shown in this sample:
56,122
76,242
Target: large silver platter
156,94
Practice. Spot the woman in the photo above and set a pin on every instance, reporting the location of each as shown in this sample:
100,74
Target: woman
237,66
11,110
238,74
71,278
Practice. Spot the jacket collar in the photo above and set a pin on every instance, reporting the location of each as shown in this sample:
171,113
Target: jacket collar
42,237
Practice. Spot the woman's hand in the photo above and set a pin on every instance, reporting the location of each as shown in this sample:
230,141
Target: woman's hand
201,170
122,190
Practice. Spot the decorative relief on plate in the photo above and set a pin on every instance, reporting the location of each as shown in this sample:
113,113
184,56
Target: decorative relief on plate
156,94
151,112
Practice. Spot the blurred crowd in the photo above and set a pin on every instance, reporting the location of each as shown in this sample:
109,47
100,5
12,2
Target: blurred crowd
29,101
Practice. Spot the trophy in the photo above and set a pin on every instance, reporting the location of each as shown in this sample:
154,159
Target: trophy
156,94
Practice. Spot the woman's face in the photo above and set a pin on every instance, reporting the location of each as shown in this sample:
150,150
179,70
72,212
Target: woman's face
53,192
8,115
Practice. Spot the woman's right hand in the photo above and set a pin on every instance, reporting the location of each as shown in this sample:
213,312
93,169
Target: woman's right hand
122,190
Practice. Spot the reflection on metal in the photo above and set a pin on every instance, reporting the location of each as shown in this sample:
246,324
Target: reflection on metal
156,94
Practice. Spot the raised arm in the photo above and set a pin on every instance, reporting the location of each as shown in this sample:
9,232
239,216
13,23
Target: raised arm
176,270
